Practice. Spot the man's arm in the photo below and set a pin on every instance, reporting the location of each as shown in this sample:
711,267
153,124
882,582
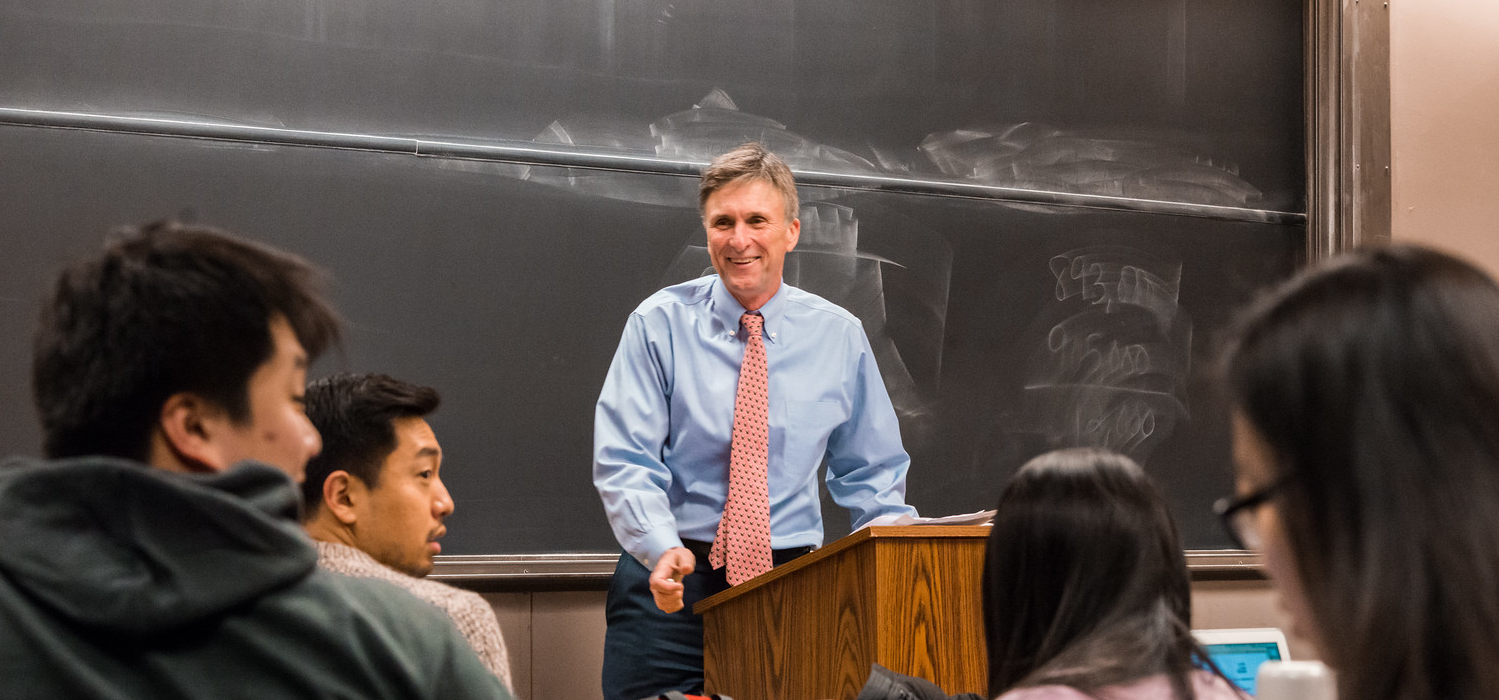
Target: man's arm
866,462
631,424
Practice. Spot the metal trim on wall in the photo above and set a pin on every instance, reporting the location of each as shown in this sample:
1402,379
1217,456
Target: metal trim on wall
564,157
592,571
526,571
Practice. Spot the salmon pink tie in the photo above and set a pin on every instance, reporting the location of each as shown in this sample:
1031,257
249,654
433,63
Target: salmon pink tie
743,540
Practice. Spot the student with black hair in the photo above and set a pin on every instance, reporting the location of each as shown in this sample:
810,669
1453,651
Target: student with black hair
1085,588
158,553
1366,446
374,500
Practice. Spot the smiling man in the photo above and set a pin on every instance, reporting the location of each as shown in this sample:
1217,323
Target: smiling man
726,395
157,553
374,498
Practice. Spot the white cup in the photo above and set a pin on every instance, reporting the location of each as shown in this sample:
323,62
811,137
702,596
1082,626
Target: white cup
1295,680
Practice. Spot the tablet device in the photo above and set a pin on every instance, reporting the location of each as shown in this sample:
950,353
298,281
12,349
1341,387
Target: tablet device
1239,652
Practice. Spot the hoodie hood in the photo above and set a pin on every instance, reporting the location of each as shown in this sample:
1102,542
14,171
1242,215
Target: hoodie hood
118,546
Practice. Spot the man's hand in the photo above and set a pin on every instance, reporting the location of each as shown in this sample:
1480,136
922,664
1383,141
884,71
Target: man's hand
666,578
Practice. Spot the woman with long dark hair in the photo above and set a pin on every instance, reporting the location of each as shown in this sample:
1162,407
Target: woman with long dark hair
1085,587
1366,447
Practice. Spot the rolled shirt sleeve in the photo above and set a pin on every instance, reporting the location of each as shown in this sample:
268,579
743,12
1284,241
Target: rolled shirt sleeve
630,430
867,463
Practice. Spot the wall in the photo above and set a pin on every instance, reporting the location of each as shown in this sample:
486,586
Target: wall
555,641
1444,125
1235,604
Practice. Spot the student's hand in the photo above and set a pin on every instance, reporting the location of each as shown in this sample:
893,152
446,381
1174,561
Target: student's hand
666,578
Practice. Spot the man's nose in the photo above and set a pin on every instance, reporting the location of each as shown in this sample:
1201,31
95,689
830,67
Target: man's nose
740,236
443,505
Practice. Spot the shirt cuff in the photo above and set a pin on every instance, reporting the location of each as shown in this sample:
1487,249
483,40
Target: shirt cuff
887,519
651,545
886,512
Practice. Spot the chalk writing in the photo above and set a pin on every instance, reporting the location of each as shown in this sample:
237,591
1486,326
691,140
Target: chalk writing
1113,373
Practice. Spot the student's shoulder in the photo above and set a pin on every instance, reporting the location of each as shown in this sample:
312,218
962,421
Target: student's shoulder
1046,692
1206,686
451,598
376,638
377,611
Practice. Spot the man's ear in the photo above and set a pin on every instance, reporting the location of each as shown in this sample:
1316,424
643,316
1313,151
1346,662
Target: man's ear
188,424
340,492
793,234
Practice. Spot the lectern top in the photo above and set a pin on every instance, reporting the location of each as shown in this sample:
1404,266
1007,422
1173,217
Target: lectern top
850,541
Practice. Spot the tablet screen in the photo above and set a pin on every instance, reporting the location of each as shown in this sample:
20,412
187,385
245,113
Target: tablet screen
1241,661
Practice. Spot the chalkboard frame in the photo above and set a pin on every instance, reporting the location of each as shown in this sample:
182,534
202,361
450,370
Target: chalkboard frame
1347,196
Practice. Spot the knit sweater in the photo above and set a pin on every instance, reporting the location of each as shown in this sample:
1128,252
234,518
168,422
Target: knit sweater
470,613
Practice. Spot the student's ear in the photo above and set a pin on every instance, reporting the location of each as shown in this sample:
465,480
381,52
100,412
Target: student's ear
188,424
340,490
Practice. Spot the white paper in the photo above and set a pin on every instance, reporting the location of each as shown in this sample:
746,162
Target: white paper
979,518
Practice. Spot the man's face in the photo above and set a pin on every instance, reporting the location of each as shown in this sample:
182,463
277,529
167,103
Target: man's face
400,520
278,432
748,237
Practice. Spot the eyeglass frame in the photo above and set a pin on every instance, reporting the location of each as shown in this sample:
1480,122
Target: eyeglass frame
1229,508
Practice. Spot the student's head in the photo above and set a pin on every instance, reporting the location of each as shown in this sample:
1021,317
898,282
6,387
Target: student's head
748,202
1083,563
183,347
1366,447
376,486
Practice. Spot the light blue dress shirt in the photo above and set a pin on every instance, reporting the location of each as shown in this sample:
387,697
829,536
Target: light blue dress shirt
666,412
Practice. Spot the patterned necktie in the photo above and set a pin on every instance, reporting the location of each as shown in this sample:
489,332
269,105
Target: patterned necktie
743,540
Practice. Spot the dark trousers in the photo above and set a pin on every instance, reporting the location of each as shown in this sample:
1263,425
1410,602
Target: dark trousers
648,652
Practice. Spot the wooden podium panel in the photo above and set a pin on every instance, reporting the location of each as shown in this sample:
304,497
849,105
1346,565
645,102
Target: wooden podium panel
907,598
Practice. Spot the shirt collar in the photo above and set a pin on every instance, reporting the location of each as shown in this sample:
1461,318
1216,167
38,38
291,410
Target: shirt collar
727,310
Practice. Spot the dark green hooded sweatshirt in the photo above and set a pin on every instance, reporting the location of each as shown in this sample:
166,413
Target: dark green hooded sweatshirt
122,581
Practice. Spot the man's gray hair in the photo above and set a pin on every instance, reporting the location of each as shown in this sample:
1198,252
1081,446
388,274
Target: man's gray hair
749,162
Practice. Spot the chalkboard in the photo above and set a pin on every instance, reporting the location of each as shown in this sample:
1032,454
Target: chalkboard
1165,135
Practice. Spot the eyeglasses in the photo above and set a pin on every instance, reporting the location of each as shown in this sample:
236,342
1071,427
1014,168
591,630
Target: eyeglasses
1236,513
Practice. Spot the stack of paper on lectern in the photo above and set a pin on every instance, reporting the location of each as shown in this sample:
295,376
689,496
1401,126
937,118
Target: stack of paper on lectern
980,518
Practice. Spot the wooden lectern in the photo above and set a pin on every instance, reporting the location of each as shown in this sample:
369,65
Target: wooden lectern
907,598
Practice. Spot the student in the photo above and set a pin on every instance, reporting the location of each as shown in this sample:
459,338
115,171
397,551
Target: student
374,500
1085,588
157,552
1366,447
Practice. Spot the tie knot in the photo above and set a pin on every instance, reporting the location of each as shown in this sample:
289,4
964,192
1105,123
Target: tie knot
752,323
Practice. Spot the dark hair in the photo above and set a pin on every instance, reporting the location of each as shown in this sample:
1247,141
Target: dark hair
1374,380
750,161
1085,584
166,308
355,415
